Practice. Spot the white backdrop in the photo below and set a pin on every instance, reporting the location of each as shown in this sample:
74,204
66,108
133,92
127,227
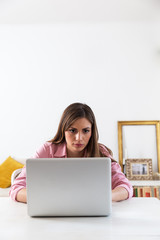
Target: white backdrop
114,67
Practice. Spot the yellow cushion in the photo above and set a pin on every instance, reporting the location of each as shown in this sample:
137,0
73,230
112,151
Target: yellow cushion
6,170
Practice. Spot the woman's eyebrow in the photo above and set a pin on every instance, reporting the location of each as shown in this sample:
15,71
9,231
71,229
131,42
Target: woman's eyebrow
83,128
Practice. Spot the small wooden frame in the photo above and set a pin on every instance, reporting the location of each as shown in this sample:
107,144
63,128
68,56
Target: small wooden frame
139,169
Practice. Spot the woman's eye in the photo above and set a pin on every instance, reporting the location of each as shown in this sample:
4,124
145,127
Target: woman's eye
72,130
86,131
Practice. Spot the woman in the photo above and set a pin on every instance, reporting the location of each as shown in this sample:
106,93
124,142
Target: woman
77,136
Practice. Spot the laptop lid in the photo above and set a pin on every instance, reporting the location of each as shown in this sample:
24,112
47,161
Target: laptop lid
68,186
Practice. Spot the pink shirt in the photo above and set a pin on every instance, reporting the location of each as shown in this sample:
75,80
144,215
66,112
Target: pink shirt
49,150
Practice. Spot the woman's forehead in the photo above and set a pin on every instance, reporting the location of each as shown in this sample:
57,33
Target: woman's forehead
81,122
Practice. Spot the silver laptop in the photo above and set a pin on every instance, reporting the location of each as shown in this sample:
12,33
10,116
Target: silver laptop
68,186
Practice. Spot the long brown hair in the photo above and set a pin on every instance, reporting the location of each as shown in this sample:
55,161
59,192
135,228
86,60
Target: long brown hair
72,113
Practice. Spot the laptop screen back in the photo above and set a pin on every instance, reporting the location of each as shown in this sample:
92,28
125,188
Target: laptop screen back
69,186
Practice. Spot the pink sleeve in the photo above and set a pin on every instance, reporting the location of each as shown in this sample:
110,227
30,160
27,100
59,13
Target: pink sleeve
119,179
20,181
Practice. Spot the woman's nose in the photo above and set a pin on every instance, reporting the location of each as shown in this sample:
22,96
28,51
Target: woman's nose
78,136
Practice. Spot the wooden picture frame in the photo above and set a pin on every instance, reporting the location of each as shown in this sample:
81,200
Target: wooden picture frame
139,169
134,123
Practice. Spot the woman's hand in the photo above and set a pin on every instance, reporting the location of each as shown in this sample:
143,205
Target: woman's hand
119,194
22,195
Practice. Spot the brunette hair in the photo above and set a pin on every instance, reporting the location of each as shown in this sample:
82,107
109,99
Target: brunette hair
72,113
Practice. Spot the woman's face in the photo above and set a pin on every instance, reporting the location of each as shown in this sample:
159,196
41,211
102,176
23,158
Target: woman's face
77,137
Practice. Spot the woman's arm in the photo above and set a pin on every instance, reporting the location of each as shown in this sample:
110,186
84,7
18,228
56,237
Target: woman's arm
119,194
22,195
121,187
18,185
18,188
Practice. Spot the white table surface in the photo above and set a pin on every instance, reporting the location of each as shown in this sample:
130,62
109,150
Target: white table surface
136,218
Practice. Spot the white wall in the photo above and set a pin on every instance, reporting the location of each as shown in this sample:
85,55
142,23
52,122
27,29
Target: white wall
112,66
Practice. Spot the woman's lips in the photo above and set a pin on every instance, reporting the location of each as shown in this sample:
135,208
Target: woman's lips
78,145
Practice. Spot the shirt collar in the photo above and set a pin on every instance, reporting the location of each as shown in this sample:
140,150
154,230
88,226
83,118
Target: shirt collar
61,150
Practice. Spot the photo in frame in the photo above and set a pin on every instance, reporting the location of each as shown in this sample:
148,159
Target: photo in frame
139,169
